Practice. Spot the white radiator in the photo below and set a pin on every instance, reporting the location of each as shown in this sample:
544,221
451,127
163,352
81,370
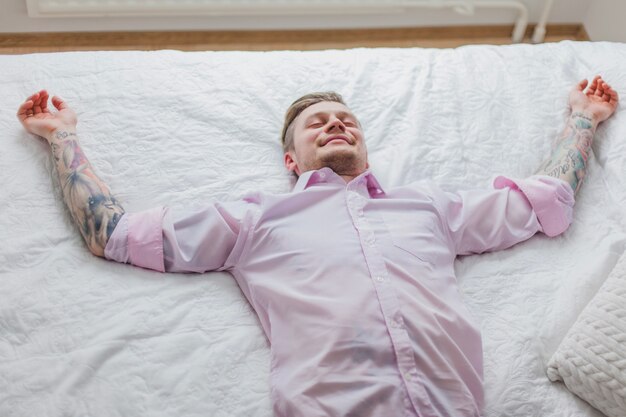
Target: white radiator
100,8
221,7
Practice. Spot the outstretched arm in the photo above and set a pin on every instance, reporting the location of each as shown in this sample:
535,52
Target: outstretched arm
479,220
568,160
89,200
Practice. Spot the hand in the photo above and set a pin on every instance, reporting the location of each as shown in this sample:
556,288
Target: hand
598,102
39,120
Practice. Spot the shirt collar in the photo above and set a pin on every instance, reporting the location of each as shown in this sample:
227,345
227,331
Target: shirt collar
327,175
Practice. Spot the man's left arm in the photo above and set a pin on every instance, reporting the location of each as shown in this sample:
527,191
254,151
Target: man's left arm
570,154
479,220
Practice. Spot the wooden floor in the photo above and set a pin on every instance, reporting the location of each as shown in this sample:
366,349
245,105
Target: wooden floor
436,37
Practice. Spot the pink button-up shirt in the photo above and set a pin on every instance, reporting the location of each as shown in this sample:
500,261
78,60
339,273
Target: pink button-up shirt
354,286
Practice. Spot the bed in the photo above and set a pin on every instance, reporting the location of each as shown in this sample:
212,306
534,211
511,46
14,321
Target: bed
80,335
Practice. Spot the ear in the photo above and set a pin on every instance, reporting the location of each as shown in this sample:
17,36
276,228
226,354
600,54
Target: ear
290,163
367,165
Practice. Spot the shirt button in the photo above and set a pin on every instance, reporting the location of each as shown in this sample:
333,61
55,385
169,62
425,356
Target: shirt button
396,324
322,175
380,279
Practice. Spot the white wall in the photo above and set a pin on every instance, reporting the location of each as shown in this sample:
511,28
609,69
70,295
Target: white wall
605,20
13,18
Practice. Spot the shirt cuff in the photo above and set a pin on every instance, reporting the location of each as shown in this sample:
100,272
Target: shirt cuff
117,246
138,239
552,200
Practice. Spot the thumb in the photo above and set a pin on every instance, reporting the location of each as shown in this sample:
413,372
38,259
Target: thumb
59,103
581,85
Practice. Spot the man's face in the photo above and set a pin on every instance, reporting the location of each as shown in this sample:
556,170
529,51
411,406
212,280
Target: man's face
327,134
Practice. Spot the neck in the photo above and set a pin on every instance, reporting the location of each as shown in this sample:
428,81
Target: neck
348,178
349,174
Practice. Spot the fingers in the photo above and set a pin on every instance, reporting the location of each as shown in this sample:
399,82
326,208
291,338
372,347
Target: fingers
33,98
604,87
603,91
593,86
59,103
35,104
610,95
38,103
40,98
44,101
25,110
599,90
27,107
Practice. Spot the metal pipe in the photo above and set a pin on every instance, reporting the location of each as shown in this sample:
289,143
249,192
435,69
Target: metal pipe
539,33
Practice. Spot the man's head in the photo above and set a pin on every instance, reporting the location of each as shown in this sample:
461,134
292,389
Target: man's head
320,131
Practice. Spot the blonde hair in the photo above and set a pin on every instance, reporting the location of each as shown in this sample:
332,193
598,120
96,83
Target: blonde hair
298,107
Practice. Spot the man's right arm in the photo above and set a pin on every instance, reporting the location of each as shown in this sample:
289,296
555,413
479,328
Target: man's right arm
196,240
89,200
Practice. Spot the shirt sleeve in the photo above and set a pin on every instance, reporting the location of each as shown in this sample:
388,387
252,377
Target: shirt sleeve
199,240
514,210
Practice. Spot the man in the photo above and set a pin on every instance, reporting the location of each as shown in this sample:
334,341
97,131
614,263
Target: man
354,285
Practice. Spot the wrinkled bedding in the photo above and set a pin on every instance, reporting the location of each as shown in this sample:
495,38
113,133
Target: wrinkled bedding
80,335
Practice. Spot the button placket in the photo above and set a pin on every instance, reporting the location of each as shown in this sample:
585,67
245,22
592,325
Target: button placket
387,299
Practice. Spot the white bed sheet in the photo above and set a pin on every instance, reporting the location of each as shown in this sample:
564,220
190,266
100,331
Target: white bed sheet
83,336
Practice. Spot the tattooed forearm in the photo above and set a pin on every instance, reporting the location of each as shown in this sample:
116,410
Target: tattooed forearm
571,150
89,200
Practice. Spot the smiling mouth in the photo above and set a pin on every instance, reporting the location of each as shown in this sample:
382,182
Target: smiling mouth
335,139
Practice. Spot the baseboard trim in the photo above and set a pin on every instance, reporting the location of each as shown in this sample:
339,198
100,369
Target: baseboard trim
276,39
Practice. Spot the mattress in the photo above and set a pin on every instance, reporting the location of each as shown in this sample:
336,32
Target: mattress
80,335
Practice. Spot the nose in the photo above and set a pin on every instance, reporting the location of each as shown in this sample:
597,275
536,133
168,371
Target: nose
336,123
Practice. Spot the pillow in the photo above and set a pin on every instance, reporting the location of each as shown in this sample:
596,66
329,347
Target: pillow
591,359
